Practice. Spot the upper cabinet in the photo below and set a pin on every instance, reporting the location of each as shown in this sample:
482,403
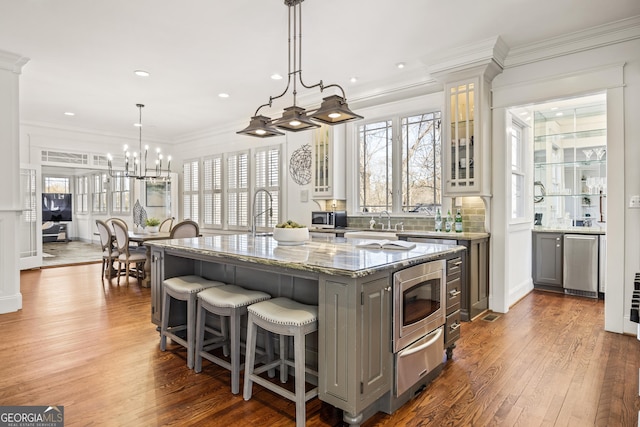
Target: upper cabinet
329,162
462,166
467,73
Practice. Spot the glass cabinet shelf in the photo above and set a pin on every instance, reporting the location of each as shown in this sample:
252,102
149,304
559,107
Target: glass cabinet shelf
591,133
579,163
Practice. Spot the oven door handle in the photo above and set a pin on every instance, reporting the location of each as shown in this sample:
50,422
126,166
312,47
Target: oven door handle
434,338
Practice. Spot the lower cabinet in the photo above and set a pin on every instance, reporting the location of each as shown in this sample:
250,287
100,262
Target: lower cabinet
358,349
453,299
547,260
474,274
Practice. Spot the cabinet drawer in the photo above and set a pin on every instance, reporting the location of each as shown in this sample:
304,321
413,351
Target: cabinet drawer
452,328
454,295
454,267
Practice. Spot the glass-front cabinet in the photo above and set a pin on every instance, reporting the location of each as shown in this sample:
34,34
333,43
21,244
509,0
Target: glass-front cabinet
462,135
570,168
328,160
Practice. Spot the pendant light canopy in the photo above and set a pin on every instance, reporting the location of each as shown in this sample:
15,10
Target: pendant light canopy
333,110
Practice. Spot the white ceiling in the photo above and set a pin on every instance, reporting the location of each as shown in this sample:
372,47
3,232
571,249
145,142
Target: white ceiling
83,52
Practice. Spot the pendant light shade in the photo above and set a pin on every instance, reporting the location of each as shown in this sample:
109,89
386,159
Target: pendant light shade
334,110
295,119
261,127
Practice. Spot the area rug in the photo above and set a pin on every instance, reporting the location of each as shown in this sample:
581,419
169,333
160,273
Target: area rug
73,252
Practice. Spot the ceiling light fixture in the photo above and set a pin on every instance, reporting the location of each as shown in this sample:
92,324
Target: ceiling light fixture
135,164
141,73
333,109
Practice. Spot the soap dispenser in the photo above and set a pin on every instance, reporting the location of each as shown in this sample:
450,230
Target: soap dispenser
372,224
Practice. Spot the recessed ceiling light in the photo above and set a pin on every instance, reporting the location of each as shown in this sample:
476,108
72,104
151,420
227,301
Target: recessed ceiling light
559,114
554,108
276,76
138,125
141,73
223,95
69,113
400,65
353,79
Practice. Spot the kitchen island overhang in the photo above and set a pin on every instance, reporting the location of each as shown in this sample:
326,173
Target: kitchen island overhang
351,286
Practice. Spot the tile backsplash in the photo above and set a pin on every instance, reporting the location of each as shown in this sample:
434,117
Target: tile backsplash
473,216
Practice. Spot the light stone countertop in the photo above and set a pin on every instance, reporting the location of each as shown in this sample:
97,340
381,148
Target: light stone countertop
409,233
328,255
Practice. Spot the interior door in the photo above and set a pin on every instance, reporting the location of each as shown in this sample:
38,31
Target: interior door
30,219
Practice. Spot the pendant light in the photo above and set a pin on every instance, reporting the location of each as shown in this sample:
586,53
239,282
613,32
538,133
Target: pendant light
135,163
333,109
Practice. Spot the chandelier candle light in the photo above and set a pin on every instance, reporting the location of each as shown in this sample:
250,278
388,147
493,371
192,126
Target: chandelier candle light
333,110
135,164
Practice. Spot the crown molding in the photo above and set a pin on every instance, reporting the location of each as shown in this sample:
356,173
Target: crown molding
486,56
12,61
579,41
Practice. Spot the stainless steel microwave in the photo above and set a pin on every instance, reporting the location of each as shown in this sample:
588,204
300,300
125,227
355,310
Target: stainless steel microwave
329,219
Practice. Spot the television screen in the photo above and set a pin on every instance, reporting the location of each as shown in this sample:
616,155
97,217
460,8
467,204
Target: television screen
56,207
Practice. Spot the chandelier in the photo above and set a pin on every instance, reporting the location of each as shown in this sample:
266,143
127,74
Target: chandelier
135,163
333,110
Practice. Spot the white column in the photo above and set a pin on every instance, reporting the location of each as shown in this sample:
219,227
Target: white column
10,205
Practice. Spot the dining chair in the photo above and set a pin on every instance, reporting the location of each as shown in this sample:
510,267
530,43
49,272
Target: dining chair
186,228
127,256
166,225
109,252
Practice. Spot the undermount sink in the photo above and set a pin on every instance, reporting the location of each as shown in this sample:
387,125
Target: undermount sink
370,235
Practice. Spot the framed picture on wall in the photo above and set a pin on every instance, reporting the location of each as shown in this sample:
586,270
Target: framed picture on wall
156,193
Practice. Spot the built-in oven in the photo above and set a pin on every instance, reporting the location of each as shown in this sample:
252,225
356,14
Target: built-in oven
419,307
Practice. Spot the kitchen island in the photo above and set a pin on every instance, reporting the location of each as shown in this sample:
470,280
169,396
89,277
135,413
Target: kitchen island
352,287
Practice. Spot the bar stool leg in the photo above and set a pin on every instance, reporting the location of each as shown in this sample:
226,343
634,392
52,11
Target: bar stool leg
299,349
191,333
165,320
252,331
284,369
235,351
200,330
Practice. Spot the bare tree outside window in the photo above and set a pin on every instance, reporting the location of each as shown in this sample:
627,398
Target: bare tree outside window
421,163
415,155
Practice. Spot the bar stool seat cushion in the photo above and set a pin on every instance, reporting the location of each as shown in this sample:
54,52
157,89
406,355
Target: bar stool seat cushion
190,284
284,311
231,296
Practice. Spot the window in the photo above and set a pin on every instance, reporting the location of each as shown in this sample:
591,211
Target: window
268,178
82,194
375,166
191,188
53,184
408,165
120,194
99,195
237,174
421,163
212,192
517,171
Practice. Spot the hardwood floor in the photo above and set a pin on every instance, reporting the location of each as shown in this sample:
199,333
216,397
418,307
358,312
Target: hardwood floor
91,347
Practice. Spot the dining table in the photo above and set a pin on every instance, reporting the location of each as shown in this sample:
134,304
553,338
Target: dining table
140,239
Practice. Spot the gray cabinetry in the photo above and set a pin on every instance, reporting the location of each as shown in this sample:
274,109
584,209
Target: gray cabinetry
358,349
547,260
474,275
453,298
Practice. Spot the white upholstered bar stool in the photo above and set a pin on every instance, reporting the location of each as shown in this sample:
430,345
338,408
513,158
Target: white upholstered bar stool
182,288
231,302
285,317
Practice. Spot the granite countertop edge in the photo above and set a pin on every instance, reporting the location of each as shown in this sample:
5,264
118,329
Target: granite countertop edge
175,245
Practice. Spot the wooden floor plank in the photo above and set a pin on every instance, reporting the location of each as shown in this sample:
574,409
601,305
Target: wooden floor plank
89,345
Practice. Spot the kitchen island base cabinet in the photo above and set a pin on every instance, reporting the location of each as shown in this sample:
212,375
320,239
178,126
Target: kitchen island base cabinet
353,347
547,261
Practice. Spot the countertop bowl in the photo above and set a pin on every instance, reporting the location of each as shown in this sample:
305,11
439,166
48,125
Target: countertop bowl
291,236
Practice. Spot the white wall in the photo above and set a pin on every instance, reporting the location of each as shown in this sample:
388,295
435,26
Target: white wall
577,74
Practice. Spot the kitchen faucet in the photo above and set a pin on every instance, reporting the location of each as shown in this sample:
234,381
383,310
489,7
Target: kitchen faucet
388,219
255,215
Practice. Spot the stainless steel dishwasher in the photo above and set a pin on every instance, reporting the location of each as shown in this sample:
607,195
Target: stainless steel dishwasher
580,266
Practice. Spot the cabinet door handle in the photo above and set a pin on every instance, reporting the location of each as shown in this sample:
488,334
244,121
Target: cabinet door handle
454,292
388,289
458,263
454,327
558,245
